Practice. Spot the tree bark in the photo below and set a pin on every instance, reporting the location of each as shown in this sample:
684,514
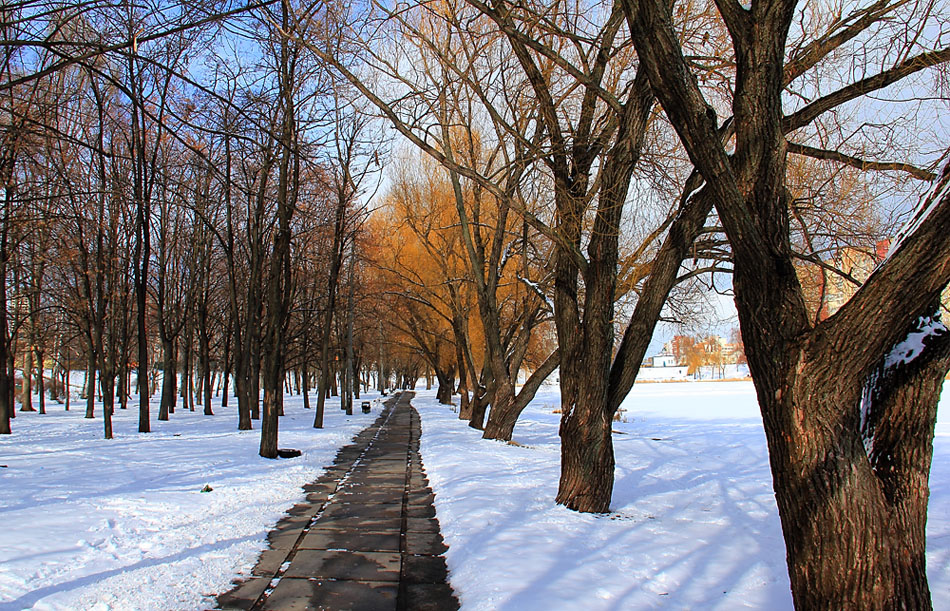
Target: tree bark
108,401
26,397
40,380
848,417
91,384
502,425
169,379
279,285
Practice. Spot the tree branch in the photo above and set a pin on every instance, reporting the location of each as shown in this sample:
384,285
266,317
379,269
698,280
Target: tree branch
823,104
861,164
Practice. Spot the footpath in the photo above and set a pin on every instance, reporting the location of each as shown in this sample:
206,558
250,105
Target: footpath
367,537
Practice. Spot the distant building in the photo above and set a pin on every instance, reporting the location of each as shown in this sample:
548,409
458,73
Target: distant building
828,290
663,360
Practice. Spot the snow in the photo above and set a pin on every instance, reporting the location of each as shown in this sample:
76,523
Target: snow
693,522
537,289
122,524
679,373
931,200
911,346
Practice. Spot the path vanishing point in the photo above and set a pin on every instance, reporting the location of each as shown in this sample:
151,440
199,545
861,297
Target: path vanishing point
367,537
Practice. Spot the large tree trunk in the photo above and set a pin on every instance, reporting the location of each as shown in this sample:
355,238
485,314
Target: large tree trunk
269,423
279,286
587,456
849,427
480,403
336,262
860,455
142,371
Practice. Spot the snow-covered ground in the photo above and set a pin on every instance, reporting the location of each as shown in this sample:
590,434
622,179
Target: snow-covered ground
122,524
693,524
92,524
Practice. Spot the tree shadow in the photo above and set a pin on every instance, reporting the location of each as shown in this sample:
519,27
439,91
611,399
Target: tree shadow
28,599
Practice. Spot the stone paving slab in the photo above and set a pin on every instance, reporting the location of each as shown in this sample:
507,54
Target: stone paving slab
367,537
345,564
332,538
301,594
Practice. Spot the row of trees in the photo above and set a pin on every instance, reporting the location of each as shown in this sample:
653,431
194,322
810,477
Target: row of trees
201,228
623,149
579,168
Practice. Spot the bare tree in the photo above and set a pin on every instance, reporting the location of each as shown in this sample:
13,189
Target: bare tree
849,438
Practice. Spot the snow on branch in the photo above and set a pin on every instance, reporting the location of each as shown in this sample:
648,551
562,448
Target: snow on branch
929,203
537,289
914,344
902,353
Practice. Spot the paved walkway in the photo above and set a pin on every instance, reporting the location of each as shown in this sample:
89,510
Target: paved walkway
367,538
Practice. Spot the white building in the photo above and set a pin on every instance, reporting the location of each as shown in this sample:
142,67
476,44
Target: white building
663,360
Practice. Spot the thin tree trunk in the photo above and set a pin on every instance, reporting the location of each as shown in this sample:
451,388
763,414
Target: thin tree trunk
91,385
108,401
26,397
169,379
40,381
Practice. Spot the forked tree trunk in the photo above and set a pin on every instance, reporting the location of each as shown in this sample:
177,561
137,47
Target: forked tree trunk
505,413
849,428
861,456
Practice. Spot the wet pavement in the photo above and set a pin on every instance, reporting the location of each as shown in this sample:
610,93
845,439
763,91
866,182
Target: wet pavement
367,537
